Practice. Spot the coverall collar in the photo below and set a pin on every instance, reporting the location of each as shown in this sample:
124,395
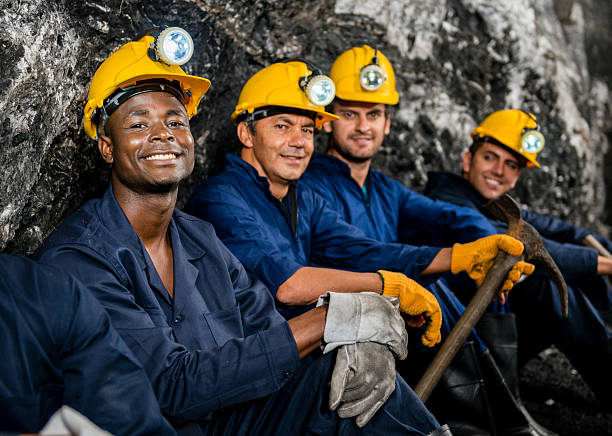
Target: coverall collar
115,220
464,194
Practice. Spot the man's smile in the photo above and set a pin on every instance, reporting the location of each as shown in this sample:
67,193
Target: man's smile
162,156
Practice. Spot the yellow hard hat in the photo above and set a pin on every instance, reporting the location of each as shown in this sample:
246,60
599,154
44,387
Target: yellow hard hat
142,66
364,74
295,85
514,129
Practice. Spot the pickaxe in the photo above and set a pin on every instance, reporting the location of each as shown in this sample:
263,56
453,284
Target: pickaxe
504,208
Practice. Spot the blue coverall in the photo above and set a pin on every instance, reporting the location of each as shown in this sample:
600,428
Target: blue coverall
58,347
274,239
535,301
218,353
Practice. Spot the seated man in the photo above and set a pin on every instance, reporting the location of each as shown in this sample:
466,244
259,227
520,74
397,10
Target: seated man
504,143
220,358
301,248
58,348
386,210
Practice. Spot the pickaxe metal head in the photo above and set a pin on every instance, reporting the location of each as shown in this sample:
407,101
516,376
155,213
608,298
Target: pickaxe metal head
506,209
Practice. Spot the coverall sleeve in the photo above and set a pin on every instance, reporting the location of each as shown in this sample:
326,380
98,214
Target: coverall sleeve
562,231
336,243
188,383
255,300
435,222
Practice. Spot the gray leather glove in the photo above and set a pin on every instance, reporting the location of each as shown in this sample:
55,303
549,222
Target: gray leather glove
68,422
363,317
362,380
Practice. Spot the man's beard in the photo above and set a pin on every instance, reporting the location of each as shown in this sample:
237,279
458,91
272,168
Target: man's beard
346,154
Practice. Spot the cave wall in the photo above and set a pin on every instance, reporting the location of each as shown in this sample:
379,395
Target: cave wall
455,61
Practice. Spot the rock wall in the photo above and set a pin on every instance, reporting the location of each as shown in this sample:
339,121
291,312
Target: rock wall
455,60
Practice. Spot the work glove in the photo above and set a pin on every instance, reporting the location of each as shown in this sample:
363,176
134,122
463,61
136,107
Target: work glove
477,257
362,380
363,317
415,301
68,422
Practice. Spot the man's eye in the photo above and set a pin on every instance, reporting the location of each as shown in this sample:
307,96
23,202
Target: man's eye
374,115
137,126
176,124
348,114
308,131
281,126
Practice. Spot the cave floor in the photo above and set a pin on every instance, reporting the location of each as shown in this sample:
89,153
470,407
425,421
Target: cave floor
558,398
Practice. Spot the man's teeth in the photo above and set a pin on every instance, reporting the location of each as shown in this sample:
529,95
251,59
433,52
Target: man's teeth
493,182
161,156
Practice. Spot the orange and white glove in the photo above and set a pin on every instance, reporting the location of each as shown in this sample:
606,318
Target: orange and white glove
415,301
477,257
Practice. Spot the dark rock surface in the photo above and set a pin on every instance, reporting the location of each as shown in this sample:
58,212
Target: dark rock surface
455,61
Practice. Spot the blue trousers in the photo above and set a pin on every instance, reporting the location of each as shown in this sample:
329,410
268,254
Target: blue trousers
300,407
535,301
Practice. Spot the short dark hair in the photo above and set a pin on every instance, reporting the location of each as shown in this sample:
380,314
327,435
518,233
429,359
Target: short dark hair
480,140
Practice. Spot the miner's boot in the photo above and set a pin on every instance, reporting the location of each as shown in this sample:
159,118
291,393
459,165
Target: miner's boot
498,332
509,415
459,399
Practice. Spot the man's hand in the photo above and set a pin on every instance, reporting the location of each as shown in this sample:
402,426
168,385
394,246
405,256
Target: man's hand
363,317
362,380
477,257
514,275
416,301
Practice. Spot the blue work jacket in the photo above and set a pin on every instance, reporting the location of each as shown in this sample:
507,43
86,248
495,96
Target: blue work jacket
562,240
276,238
218,342
58,347
389,211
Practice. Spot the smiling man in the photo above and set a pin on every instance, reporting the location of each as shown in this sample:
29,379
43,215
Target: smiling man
286,233
220,358
504,144
386,210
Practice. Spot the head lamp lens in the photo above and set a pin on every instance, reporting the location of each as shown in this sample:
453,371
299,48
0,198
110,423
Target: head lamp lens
372,77
320,90
532,141
174,46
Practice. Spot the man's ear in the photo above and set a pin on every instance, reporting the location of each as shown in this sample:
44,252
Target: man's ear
466,161
245,135
105,145
387,124
327,127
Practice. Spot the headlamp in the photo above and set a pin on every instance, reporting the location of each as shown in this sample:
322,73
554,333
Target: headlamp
372,76
320,89
532,141
174,46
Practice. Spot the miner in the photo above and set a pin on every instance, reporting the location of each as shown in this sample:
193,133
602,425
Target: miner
386,210
503,144
220,358
286,234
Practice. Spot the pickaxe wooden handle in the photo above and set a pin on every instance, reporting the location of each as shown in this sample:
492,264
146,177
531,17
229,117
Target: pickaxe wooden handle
504,208
590,241
473,312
